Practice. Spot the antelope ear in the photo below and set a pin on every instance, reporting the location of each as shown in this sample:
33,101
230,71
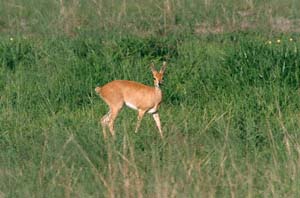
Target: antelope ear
163,68
152,68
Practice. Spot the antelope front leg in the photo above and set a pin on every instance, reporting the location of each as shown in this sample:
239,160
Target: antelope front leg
140,117
157,121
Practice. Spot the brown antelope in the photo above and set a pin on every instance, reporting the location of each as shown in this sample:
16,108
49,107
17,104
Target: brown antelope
135,95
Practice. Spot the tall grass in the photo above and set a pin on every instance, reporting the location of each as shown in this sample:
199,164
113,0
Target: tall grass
230,112
230,116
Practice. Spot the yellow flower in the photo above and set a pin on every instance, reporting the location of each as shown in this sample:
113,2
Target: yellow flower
278,41
11,38
269,42
291,39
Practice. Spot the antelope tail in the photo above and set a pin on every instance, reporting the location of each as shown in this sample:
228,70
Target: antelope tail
97,90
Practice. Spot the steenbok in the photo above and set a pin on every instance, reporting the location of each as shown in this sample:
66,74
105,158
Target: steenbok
135,95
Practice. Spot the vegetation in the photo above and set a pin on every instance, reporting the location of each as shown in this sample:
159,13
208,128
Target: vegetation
230,112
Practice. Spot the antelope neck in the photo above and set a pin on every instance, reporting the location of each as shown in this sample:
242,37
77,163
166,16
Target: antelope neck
156,85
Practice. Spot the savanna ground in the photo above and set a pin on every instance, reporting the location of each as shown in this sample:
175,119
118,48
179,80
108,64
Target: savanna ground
230,112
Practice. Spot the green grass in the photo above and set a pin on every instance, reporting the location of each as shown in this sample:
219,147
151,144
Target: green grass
230,112
145,18
230,117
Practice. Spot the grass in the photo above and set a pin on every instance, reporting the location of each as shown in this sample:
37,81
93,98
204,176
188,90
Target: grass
230,112
147,18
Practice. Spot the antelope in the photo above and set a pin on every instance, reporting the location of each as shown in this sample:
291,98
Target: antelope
135,95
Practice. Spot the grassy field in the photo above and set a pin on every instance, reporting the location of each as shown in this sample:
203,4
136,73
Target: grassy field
230,113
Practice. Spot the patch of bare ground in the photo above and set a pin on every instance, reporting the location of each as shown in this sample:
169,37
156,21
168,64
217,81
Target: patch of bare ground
206,28
246,20
282,24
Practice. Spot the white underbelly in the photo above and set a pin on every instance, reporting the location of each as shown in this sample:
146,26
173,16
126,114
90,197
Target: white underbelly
132,106
153,110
